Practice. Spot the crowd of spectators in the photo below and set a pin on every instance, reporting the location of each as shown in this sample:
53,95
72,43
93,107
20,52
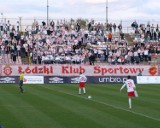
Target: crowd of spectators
146,41
146,32
70,43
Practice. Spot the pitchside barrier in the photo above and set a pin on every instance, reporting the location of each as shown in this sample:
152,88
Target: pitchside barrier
64,80
148,79
74,79
50,74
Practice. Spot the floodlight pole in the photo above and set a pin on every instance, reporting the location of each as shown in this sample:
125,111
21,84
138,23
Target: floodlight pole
107,14
107,26
20,24
47,12
2,16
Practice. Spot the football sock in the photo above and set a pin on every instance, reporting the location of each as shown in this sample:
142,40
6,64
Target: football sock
79,90
130,102
84,90
21,89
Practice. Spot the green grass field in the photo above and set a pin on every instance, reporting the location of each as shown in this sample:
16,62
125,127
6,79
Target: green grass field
60,106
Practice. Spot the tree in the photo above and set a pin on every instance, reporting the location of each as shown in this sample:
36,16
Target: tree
82,22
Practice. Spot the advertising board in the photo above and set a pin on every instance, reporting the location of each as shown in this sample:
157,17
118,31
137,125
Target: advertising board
90,79
74,70
33,80
8,79
148,79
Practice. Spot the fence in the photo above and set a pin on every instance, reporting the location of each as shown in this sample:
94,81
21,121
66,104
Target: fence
28,22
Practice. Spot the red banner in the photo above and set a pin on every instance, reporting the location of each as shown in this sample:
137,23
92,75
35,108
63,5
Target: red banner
73,70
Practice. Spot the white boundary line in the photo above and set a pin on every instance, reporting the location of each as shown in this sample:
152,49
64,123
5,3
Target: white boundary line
136,113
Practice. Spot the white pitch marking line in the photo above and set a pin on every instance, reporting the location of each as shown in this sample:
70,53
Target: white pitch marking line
137,113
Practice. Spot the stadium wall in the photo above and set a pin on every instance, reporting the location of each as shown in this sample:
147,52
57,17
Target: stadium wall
51,74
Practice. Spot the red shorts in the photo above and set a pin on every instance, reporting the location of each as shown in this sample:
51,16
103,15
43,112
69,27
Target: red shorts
131,94
82,84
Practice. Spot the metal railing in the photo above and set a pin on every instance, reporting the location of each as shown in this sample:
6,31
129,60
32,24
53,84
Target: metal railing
24,22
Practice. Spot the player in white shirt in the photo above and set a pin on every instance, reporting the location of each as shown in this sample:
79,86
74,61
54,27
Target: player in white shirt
129,83
82,81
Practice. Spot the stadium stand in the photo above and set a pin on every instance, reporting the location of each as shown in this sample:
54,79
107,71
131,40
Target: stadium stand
65,43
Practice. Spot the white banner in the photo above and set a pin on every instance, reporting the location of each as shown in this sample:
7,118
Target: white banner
148,79
33,80
74,70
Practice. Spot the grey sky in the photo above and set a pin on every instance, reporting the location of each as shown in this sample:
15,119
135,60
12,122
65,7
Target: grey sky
118,9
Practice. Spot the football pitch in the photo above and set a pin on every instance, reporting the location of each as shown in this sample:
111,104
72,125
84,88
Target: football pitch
60,106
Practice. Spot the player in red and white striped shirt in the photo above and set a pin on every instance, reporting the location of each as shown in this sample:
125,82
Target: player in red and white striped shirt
130,89
82,80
